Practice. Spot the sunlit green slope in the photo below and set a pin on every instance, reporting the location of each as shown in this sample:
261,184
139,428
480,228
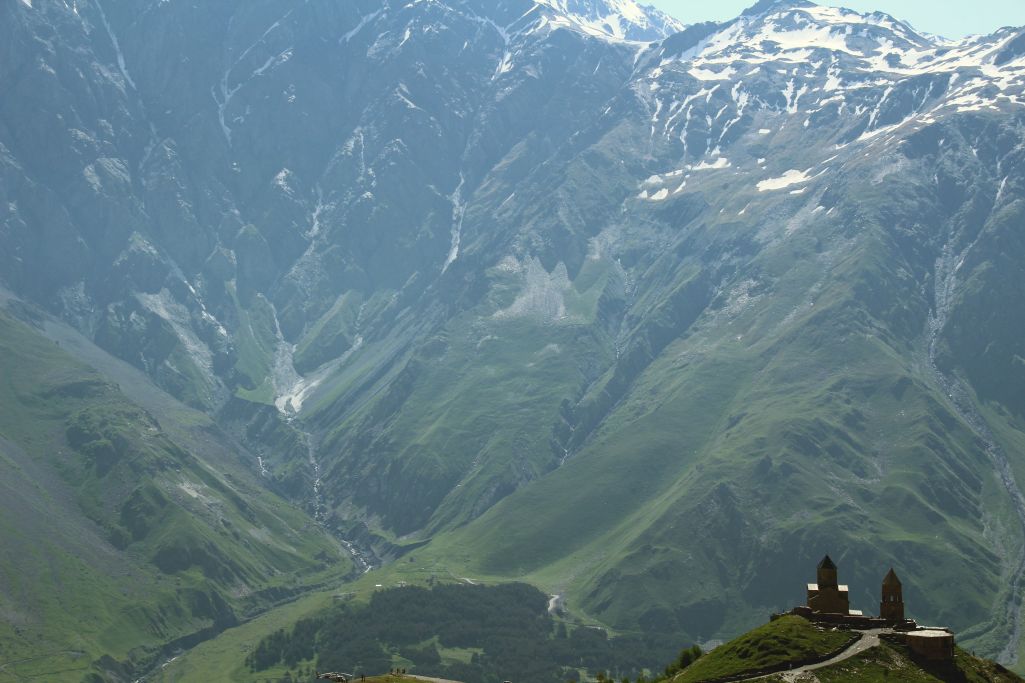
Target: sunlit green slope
121,540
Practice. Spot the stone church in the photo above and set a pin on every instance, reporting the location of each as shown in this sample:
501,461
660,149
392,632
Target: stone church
829,597
829,603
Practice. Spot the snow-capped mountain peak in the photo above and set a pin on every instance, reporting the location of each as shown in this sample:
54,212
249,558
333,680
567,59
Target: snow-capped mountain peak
792,62
797,27
613,19
807,39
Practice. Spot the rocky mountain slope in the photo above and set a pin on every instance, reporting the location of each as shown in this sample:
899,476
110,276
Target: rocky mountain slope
652,315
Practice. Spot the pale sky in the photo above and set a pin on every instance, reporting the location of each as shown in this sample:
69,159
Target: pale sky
950,18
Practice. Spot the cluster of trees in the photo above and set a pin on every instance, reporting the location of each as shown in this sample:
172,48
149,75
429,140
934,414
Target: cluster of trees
506,629
686,657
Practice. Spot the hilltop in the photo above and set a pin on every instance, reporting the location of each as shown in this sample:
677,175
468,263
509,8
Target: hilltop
810,652
826,639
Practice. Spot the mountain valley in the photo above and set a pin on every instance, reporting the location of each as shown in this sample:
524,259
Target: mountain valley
310,297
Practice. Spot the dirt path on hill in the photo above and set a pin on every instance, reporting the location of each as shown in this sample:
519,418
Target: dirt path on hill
867,641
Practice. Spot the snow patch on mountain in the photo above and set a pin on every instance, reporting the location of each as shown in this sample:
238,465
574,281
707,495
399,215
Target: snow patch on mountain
621,20
113,41
458,211
791,177
349,35
717,163
661,186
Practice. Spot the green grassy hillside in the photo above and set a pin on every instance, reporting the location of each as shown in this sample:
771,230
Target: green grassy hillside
793,640
785,640
127,535
890,662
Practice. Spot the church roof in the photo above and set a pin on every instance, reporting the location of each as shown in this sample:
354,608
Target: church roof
827,563
891,578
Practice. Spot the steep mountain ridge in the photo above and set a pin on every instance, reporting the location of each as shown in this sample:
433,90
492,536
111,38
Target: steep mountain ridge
451,268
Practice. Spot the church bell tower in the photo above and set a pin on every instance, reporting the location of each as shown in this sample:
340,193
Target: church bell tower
892,606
